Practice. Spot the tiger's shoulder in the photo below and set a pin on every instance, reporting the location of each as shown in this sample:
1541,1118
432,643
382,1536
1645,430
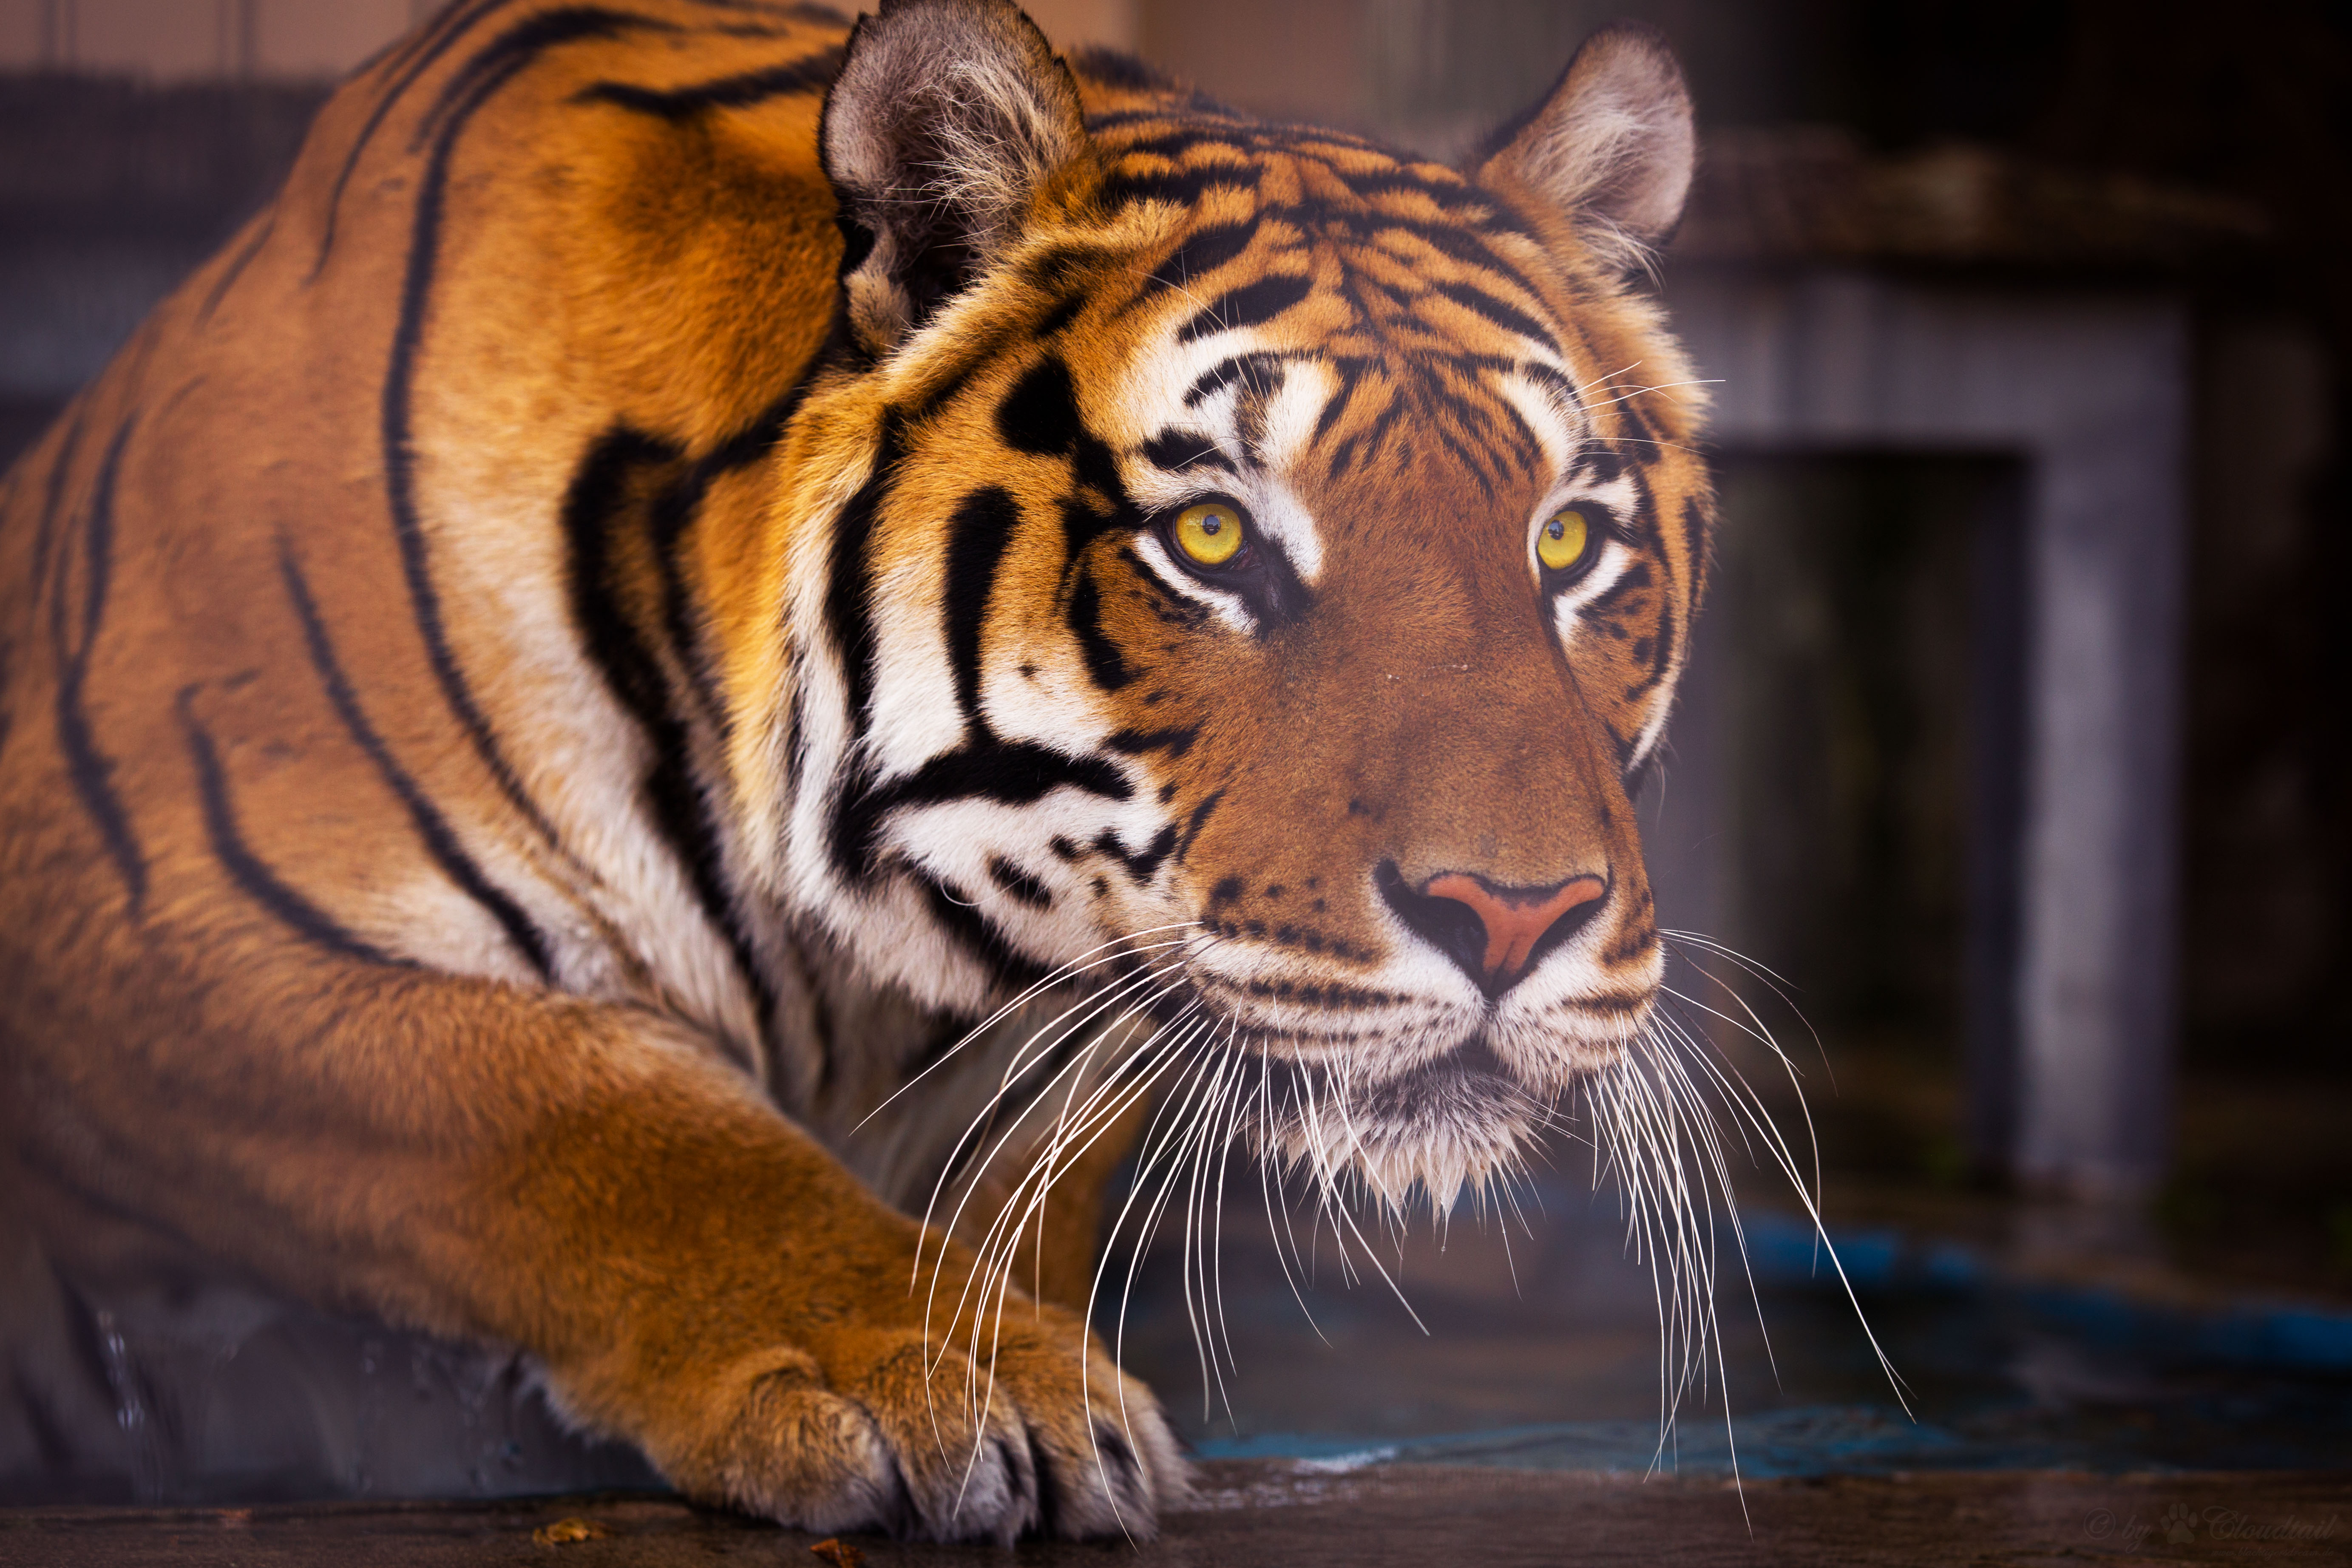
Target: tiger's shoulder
328,631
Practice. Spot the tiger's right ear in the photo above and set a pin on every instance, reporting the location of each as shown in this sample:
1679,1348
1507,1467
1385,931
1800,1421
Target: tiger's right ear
947,118
1611,149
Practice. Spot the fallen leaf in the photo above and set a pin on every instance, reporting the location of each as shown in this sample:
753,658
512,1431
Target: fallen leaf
564,1531
838,1553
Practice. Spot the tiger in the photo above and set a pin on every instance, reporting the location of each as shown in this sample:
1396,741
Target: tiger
698,560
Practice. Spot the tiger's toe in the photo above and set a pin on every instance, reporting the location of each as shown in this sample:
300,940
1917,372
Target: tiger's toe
1026,1442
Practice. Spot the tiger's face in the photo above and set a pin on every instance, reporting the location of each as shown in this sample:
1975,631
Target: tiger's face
1283,554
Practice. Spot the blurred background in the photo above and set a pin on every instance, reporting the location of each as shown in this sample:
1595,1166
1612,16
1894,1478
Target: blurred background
2017,745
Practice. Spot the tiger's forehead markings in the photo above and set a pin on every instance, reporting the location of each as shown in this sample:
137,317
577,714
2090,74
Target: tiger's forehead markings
1334,380
1419,263
1233,175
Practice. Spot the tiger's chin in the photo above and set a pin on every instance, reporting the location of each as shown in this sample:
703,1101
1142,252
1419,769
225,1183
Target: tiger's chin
1429,1136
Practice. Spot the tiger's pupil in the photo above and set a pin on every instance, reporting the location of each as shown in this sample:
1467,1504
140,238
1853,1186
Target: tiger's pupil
1210,535
1561,543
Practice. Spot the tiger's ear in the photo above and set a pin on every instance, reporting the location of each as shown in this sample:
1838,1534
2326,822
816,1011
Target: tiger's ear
1609,150
947,117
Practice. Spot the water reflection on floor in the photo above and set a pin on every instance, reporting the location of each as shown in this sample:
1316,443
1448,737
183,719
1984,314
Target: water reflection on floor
1540,1353
1545,1354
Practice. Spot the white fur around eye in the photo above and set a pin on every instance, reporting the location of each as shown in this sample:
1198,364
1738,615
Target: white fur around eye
1611,499
1555,431
1228,606
1567,606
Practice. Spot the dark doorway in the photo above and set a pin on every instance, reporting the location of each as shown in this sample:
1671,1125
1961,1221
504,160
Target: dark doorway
1848,766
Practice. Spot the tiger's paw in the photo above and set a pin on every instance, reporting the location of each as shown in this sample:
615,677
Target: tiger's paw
885,1435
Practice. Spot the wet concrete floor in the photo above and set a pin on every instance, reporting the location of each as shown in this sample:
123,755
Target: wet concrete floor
1281,1511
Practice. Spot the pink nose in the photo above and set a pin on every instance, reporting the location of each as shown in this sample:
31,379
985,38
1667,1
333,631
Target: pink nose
1516,918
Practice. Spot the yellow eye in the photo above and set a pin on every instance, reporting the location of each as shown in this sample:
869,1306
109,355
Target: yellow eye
1210,533
1560,543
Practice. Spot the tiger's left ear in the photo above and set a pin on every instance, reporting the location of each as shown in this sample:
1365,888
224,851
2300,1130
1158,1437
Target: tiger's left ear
1610,151
947,118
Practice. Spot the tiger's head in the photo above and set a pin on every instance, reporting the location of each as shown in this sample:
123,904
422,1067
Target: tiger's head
1243,559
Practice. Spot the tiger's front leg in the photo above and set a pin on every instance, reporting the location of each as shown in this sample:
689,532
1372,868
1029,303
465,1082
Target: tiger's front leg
695,1272
758,1321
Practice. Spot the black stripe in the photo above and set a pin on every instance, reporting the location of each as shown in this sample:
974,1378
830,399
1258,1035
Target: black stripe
1198,106
811,73
1224,373
1070,264
1010,772
848,612
793,10
92,771
1062,314
964,920
1112,68
432,43
1019,884
1469,247
672,512
1694,518
1523,439
236,268
1184,187
1662,659
1202,252
489,69
1104,661
1603,466
1175,740
1622,745
1611,600
1661,656
1140,867
600,490
982,348
1166,608
53,495
796,746
1503,314
1250,305
1350,371
497,63
1629,411
1367,440
978,537
1450,191
598,497
1177,450
1464,455
1039,415
1198,820
247,868
1171,144
1537,371
440,840
677,507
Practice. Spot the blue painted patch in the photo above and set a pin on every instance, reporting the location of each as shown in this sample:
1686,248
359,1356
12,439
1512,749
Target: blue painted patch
2317,1340
2016,1373
1784,1251
1817,1440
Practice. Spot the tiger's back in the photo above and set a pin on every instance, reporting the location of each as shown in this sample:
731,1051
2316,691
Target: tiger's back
359,615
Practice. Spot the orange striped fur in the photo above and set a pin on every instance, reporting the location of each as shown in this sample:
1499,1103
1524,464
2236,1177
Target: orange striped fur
637,600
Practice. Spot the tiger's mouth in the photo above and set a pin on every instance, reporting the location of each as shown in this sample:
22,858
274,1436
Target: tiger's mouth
1426,1134
1419,1104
